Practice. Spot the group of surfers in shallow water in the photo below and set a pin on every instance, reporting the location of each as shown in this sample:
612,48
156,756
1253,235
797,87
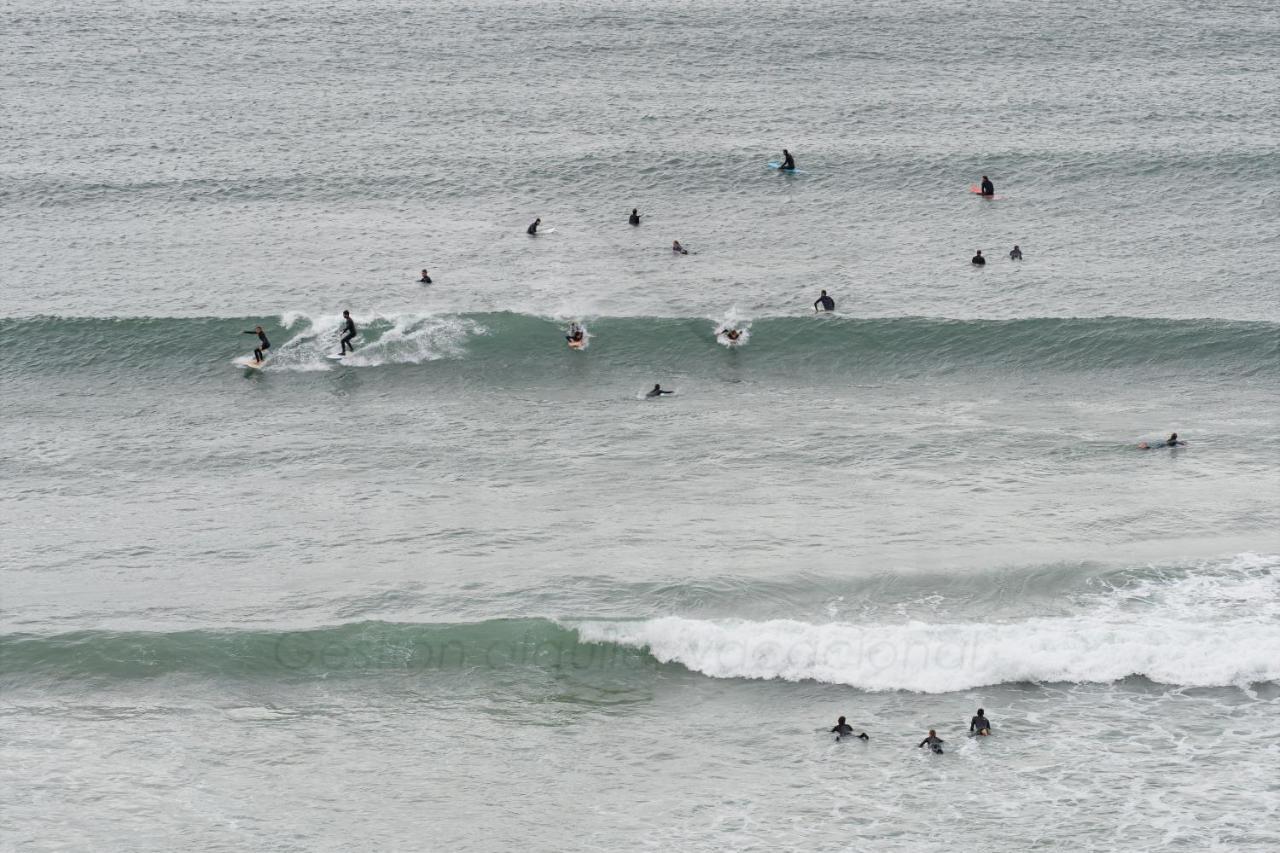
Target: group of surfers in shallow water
979,726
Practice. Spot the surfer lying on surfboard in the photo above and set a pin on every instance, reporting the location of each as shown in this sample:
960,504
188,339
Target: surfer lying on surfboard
1171,441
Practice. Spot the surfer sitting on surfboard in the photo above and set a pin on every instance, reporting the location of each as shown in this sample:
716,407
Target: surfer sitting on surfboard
980,725
987,188
978,259
634,219
349,332
788,162
259,353
827,303
678,249
426,279
532,230
1015,254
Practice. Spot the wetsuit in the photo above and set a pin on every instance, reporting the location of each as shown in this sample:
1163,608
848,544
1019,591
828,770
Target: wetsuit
1016,254
988,188
634,218
935,743
845,730
827,303
426,279
979,260
979,725
788,162
349,336
658,392
575,334
532,229
263,345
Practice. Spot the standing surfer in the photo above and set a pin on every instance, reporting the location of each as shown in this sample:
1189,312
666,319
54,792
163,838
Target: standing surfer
348,332
259,352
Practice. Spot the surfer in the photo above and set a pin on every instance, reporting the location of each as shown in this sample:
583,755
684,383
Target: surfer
987,188
259,352
634,219
657,391
978,260
827,303
348,332
532,230
731,334
843,729
1016,253
935,743
576,334
788,162
980,725
426,279
678,249
1171,441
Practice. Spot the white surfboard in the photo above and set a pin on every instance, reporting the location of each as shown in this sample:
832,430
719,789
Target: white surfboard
249,362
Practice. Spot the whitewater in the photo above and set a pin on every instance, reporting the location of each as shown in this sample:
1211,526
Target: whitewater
468,589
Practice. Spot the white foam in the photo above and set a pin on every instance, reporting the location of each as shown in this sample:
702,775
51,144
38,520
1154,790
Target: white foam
413,338
1216,629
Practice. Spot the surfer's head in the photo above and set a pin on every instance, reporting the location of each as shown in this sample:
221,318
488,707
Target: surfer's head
840,722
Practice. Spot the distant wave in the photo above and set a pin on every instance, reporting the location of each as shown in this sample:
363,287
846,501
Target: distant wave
801,344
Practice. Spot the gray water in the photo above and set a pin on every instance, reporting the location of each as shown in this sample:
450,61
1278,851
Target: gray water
467,589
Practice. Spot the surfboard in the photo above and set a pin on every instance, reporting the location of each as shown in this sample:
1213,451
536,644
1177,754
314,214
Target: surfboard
249,362
582,344
333,356
777,164
977,190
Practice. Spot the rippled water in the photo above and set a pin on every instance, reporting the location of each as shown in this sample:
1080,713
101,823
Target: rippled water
467,589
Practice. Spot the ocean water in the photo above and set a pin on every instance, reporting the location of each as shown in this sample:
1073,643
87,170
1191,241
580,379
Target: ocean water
469,590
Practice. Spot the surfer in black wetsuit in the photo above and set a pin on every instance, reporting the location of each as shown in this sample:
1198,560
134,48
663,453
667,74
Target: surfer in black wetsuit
532,230
788,162
259,353
1172,441
678,249
980,725
634,219
426,279
843,729
348,332
987,188
731,334
934,742
1016,253
657,391
978,259
827,303
575,333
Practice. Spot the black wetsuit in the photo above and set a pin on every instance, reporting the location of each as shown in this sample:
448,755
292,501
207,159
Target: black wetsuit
979,725
988,188
1016,254
349,336
845,730
827,303
263,345
634,219
426,279
979,260
532,229
658,392
789,162
935,743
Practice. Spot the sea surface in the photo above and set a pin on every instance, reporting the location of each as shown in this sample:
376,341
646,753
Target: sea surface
469,590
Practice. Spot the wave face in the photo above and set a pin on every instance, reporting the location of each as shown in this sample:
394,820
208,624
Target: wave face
1192,629
522,343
